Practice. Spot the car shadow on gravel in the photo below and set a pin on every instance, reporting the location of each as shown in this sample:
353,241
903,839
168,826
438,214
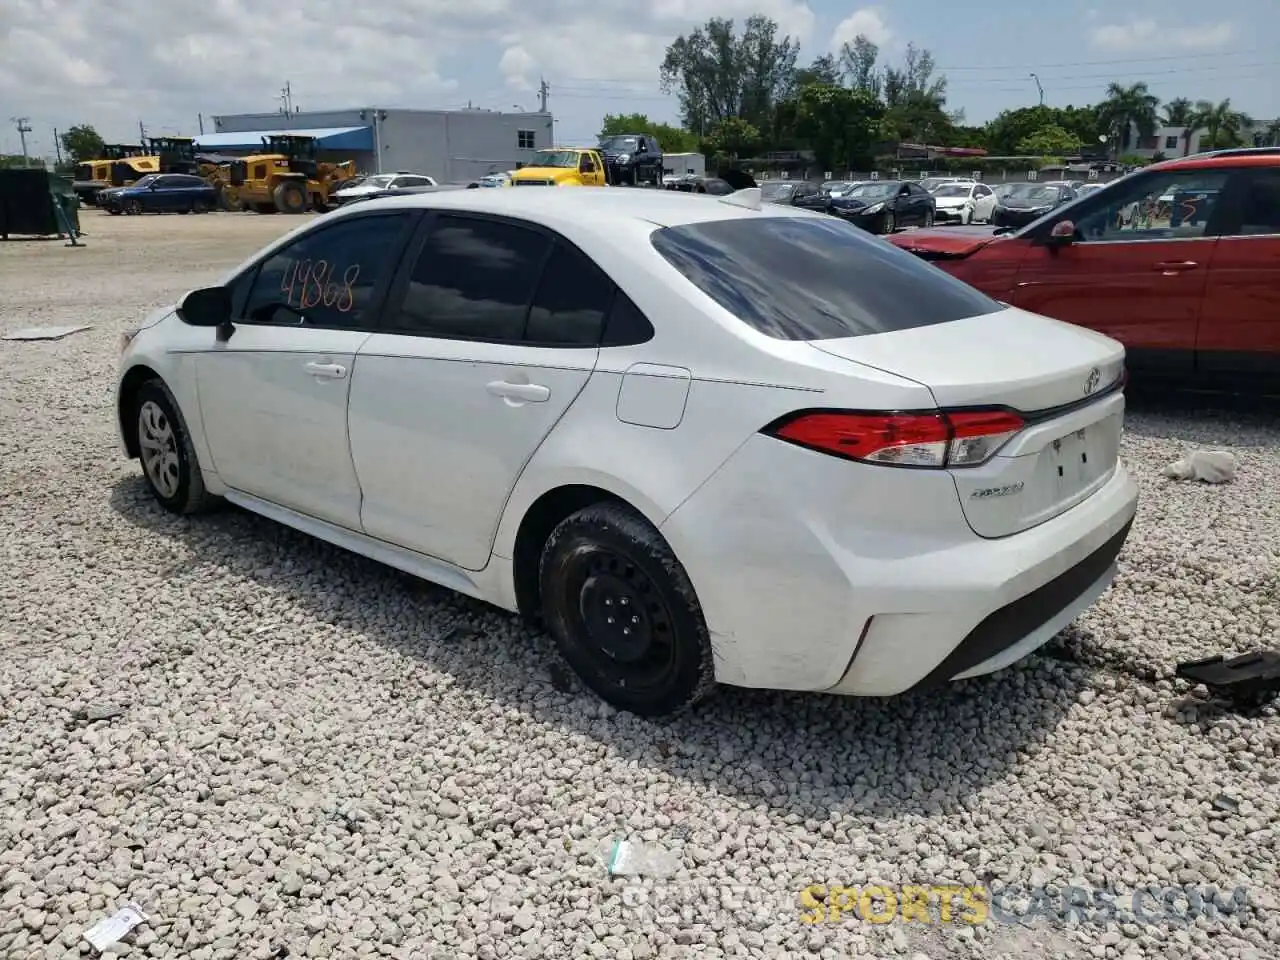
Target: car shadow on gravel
1201,417
799,754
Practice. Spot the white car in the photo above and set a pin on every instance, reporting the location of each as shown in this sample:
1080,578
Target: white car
963,202
632,415
380,183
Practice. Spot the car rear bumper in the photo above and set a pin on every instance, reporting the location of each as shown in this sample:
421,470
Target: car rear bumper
866,580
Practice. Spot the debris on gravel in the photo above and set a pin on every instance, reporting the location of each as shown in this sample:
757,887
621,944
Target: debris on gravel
279,749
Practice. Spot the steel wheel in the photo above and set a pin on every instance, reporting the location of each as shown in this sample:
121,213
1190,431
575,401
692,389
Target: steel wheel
889,223
623,613
159,448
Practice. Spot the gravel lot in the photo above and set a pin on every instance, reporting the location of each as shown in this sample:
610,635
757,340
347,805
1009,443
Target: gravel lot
269,743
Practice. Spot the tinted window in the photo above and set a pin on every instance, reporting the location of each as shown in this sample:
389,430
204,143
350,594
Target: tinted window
473,280
573,298
1260,213
626,325
329,276
800,278
1165,205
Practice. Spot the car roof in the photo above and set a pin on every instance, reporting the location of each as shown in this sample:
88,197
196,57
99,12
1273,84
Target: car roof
597,207
1234,157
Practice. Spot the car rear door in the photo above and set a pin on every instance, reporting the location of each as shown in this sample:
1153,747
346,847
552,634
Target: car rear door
491,332
1239,333
1138,268
273,397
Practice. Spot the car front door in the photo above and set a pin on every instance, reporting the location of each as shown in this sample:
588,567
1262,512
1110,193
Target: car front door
1239,332
1137,269
273,397
984,202
491,333
170,194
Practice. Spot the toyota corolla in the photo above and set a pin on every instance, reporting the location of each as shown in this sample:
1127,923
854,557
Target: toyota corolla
701,439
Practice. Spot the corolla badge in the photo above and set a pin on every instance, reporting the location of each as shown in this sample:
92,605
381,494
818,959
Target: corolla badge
1091,382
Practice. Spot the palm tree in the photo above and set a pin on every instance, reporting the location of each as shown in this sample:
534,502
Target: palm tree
1272,135
1126,109
1178,112
1222,125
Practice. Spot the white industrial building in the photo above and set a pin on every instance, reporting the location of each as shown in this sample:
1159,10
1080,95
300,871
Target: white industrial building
453,146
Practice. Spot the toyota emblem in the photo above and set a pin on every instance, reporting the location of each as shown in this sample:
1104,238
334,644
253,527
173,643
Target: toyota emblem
1091,382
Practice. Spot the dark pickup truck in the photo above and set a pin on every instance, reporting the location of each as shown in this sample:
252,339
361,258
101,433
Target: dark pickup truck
632,159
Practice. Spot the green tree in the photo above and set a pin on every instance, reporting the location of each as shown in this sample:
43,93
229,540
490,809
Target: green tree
1178,112
840,124
1127,109
858,64
718,75
1223,126
9,161
823,70
915,99
82,142
1011,127
671,139
732,137
1049,141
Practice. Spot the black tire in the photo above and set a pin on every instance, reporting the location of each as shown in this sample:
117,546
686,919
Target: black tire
606,557
928,219
186,210
114,211
290,197
888,223
166,454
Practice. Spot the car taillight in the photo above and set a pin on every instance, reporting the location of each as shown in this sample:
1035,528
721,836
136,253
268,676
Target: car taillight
952,438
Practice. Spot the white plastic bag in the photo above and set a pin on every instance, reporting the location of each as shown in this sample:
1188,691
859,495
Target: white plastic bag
626,858
1210,466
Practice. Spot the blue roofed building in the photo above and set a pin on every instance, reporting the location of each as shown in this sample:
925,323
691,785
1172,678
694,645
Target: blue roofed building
454,146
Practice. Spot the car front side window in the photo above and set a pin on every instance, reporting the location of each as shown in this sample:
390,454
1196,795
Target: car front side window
330,277
1175,205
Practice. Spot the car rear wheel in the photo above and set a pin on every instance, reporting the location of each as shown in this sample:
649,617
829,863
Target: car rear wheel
623,613
164,446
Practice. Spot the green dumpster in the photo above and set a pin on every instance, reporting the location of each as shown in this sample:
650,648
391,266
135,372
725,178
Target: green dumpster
33,202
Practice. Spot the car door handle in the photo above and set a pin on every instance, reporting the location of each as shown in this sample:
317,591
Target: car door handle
528,392
1170,267
328,371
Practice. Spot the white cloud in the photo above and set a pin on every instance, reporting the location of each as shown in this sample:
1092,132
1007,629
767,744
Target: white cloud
1145,34
869,21
62,62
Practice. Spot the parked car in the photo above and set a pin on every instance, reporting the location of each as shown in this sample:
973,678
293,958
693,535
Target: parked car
694,183
914,484
963,202
933,183
1179,261
1088,189
882,206
792,193
160,193
631,159
496,179
837,188
1025,202
381,183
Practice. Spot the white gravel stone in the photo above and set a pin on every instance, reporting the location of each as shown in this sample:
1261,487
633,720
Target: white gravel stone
265,741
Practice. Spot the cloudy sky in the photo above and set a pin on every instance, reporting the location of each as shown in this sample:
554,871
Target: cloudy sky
165,62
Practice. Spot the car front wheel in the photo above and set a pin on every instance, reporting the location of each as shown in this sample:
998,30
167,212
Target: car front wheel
164,446
888,224
623,613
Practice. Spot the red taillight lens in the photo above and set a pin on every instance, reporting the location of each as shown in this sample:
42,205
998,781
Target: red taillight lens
959,438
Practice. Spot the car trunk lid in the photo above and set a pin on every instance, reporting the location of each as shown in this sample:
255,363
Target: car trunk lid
1063,380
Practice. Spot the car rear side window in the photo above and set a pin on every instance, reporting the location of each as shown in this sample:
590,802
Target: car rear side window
474,280
811,278
572,300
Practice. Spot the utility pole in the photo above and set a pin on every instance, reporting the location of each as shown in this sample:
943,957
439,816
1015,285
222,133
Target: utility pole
286,99
142,133
543,90
200,122
57,145
1038,87
23,129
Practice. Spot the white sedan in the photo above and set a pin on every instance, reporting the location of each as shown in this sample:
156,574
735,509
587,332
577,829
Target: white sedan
702,439
381,183
963,202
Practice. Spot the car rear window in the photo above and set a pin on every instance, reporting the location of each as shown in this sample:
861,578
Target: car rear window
815,278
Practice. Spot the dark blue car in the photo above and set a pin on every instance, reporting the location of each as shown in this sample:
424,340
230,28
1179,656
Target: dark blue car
161,193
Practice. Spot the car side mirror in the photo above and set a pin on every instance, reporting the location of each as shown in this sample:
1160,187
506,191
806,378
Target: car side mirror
1062,234
208,307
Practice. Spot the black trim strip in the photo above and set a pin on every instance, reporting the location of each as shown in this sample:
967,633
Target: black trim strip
1014,622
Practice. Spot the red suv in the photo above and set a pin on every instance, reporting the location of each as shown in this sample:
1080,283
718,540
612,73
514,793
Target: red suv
1179,261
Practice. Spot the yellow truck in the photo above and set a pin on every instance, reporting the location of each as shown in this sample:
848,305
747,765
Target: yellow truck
563,167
